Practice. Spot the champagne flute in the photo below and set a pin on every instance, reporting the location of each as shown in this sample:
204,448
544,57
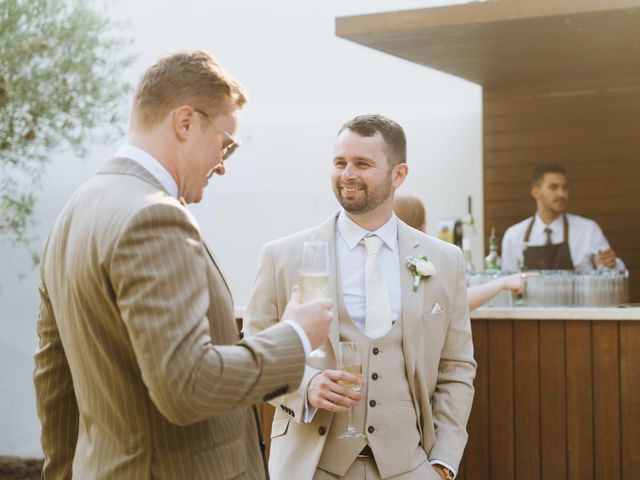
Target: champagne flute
314,277
350,361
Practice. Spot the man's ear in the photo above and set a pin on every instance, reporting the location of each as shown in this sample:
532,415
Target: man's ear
183,121
399,174
535,192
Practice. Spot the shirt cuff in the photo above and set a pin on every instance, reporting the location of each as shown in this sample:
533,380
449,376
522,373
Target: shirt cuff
308,411
303,336
445,465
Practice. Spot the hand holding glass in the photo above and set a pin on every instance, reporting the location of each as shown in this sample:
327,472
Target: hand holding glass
314,277
350,361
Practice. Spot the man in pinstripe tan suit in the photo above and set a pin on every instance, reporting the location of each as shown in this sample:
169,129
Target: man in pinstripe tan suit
139,373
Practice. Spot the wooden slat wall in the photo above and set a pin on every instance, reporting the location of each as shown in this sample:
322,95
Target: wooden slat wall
590,127
555,399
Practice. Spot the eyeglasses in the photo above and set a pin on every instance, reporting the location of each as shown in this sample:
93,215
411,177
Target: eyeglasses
232,144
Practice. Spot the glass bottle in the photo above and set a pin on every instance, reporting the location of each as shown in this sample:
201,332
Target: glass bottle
492,261
469,268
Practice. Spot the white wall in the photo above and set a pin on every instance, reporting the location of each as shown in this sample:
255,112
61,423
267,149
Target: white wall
303,84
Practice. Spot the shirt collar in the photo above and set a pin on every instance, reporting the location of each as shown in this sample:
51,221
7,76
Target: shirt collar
556,225
352,233
152,165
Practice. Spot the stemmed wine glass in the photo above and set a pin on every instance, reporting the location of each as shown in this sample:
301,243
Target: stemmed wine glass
314,277
350,361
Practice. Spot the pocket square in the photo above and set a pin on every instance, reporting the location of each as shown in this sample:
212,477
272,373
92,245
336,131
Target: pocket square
437,308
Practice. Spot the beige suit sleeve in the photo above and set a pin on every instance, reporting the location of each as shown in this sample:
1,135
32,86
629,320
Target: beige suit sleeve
55,398
159,276
453,396
265,308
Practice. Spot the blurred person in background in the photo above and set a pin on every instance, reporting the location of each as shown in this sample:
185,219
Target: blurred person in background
412,211
553,239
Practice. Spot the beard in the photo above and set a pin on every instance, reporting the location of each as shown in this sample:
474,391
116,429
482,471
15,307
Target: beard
370,199
556,206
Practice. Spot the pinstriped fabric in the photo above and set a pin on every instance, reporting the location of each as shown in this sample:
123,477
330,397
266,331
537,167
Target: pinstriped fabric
136,313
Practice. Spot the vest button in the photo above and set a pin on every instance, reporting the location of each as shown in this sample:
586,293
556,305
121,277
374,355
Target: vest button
372,403
322,430
371,429
374,376
375,350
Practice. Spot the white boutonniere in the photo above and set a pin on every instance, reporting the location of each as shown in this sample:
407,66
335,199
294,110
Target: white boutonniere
420,266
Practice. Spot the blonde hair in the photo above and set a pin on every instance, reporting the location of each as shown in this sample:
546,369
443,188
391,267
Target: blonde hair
411,211
190,77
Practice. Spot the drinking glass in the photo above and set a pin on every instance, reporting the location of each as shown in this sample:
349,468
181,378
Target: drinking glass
314,277
350,361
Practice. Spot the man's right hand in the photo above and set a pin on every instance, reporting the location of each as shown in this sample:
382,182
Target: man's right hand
314,317
324,391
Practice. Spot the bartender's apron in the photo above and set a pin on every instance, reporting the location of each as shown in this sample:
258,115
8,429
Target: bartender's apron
547,257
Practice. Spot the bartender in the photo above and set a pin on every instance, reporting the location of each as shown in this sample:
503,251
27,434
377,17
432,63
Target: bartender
553,239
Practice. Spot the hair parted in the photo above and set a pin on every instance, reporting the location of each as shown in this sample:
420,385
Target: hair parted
540,170
392,133
188,77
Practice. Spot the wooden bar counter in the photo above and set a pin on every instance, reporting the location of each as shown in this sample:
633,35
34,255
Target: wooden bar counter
557,394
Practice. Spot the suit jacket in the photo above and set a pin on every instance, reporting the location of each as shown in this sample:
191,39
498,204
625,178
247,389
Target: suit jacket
437,348
138,374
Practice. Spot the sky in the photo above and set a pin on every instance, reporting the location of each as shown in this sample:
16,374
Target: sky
303,83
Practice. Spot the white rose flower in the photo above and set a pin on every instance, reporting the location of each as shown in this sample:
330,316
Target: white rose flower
425,268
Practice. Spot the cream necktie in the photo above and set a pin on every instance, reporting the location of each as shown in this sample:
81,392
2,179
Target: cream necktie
378,308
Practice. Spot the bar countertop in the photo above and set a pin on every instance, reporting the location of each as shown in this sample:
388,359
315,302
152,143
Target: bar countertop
556,313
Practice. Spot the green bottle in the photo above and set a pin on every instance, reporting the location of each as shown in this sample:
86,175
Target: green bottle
492,261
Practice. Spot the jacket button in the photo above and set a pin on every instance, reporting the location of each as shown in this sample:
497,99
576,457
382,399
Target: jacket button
372,403
371,429
375,350
322,430
374,376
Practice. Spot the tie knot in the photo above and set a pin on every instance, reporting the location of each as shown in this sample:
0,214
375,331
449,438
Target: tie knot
372,244
548,231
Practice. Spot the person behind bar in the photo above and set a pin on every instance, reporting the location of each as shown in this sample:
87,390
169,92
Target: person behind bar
139,372
411,211
416,343
553,239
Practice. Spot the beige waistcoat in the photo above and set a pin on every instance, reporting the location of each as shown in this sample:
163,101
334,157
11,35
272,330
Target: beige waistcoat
386,414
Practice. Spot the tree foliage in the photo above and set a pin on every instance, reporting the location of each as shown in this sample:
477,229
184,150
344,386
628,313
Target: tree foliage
61,65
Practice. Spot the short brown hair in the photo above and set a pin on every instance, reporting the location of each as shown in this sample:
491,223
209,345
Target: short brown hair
189,77
540,170
392,133
410,210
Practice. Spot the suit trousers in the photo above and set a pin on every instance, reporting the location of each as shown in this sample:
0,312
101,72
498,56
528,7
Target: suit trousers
366,469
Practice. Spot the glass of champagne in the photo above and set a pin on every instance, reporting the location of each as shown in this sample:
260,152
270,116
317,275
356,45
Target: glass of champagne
350,361
314,277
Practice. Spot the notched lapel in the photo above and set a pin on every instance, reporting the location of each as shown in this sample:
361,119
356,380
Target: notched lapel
412,302
215,264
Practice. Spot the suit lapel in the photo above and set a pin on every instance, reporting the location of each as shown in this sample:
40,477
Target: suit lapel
412,302
215,264
327,233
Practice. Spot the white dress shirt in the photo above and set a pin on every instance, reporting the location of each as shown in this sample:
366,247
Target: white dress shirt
351,257
585,239
155,168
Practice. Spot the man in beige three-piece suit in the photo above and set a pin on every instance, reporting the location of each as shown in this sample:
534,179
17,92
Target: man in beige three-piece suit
418,365
139,372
